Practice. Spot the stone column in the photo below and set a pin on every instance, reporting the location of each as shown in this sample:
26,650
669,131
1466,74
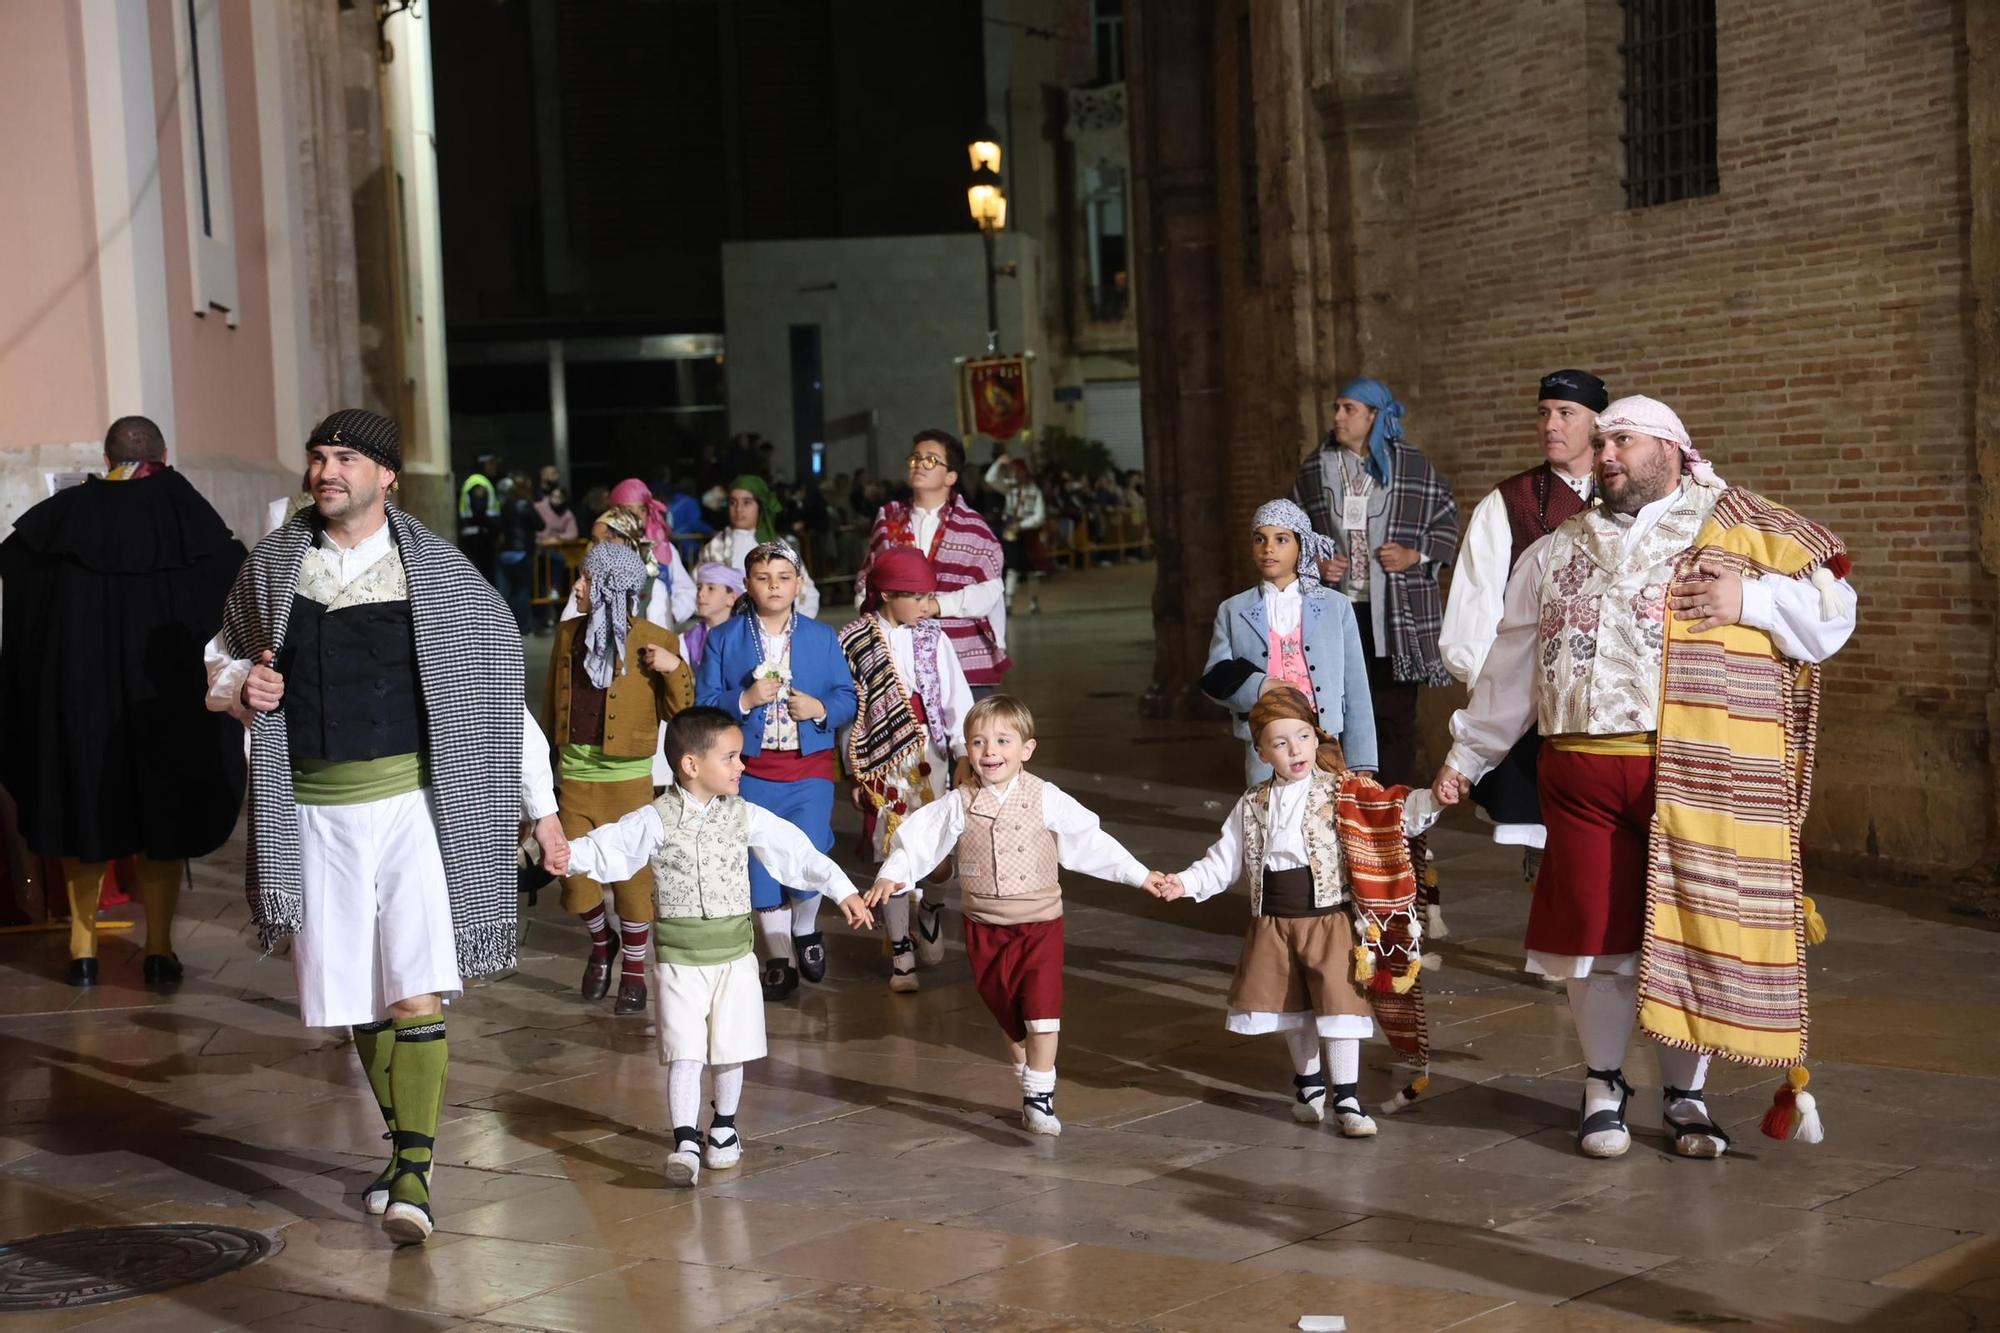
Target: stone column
1171,98
1982,127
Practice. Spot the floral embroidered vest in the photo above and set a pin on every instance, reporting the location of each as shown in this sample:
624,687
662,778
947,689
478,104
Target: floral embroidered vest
1322,838
703,868
1604,619
1288,660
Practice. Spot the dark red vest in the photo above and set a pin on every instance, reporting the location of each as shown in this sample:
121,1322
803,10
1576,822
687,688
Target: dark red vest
1537,502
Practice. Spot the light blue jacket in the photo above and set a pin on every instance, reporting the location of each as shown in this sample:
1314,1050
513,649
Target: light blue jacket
1240,650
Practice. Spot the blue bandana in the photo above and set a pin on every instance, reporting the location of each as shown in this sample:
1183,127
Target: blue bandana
1388,426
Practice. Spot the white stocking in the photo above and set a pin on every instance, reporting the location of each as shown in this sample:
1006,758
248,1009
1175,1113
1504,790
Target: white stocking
684,1093
1343,1058
805,915
728,1088
1304,1044
1604,1008
896,920
774,931
1686,1070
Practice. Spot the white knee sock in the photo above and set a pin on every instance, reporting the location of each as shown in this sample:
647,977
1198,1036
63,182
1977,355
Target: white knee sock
1604,1008
805,914
1013,581
1343,1060
774,931
728,1088
1304,1045
896,920
684,1093
1686,1070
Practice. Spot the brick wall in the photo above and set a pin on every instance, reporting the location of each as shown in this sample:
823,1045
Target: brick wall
1808,323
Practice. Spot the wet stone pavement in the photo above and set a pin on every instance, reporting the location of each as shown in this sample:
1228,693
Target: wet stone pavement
886,1184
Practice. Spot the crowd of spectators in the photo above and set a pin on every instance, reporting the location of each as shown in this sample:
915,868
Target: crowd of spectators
504,516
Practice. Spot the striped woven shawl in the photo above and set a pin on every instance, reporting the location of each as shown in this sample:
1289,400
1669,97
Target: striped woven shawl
1384,885
1723,967
886,737
964,552
469,683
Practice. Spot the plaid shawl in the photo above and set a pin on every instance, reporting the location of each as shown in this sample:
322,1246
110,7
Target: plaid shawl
1423,515
469,684
1723,966
965,552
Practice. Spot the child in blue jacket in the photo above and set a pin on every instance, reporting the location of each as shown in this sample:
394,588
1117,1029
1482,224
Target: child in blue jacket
1289,630
785,681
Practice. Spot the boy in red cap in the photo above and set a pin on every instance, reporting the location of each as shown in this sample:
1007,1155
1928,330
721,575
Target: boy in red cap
913,698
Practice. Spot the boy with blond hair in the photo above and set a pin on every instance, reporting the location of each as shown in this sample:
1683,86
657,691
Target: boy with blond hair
1012,832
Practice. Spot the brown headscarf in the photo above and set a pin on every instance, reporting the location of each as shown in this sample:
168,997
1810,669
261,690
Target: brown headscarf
1286,704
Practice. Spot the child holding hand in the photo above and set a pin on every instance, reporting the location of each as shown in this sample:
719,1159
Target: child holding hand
1012,832
698,839
1316,843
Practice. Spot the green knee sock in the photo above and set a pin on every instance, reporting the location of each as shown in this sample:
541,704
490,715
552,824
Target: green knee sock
375,1043
416,1087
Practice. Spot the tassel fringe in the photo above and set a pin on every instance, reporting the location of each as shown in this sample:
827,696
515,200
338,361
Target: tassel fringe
1815,924
1411,1091
1794,1112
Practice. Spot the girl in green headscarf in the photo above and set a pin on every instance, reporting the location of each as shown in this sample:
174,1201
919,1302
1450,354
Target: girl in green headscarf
753,520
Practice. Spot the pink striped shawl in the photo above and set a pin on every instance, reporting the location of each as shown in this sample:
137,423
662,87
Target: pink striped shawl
966,553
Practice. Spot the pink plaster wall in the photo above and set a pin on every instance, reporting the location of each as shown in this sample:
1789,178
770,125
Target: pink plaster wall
51,362
225,404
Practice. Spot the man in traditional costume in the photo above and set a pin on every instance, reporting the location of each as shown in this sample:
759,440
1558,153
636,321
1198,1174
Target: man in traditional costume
1394,519
391,760
111,589
1516,514
971,600
1666,640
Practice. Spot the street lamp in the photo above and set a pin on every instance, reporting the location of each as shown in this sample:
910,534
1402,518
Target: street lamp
988,204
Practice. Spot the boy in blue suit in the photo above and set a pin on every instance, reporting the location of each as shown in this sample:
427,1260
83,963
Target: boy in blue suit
783,678
1289,630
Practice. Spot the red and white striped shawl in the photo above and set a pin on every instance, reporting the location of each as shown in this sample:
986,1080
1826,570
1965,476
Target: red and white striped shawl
965,552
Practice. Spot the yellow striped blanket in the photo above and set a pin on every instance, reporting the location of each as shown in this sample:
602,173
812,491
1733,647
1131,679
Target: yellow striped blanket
1723,967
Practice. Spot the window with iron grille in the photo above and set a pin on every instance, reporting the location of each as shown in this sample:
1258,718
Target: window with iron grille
1669,96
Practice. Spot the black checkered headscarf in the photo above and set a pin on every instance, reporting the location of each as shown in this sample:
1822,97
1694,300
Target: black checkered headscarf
364,432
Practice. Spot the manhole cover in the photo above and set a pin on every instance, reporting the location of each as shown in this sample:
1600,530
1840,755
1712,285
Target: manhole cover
91,1267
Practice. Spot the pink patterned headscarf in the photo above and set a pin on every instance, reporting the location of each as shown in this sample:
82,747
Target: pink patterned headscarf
659,524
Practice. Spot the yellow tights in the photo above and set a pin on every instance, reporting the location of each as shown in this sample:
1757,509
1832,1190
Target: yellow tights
159,890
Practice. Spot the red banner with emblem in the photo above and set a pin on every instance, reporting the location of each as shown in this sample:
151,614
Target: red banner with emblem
993,397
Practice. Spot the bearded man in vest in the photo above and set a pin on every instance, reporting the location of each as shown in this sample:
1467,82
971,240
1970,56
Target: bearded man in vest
1667,642
1516,514
391,761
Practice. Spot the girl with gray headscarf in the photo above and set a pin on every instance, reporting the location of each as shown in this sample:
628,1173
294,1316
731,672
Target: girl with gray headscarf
1288,630
615,678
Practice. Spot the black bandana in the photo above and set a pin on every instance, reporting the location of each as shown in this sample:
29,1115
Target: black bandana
1575,386
367,433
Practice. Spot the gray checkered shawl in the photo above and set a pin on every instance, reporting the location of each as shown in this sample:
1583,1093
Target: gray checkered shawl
1423,515
469,683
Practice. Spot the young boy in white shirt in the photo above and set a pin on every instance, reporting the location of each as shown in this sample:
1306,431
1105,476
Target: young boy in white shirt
698,838
1011,832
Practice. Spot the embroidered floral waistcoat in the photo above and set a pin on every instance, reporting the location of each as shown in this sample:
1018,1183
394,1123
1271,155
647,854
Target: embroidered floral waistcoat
1006,851
703,867
1322,837
1604,619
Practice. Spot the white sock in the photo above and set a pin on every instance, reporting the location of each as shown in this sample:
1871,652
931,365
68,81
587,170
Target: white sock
1343,1059
1304,1045
1036,1081
896,920
1604,1008
684,1092
1686,1070
1013,581
805,914
774,931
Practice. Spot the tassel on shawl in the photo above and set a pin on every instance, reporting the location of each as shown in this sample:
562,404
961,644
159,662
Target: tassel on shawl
1411,1091
1794,1112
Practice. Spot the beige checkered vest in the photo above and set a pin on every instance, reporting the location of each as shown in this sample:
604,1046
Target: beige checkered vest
703,867
1322,834
1007,866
